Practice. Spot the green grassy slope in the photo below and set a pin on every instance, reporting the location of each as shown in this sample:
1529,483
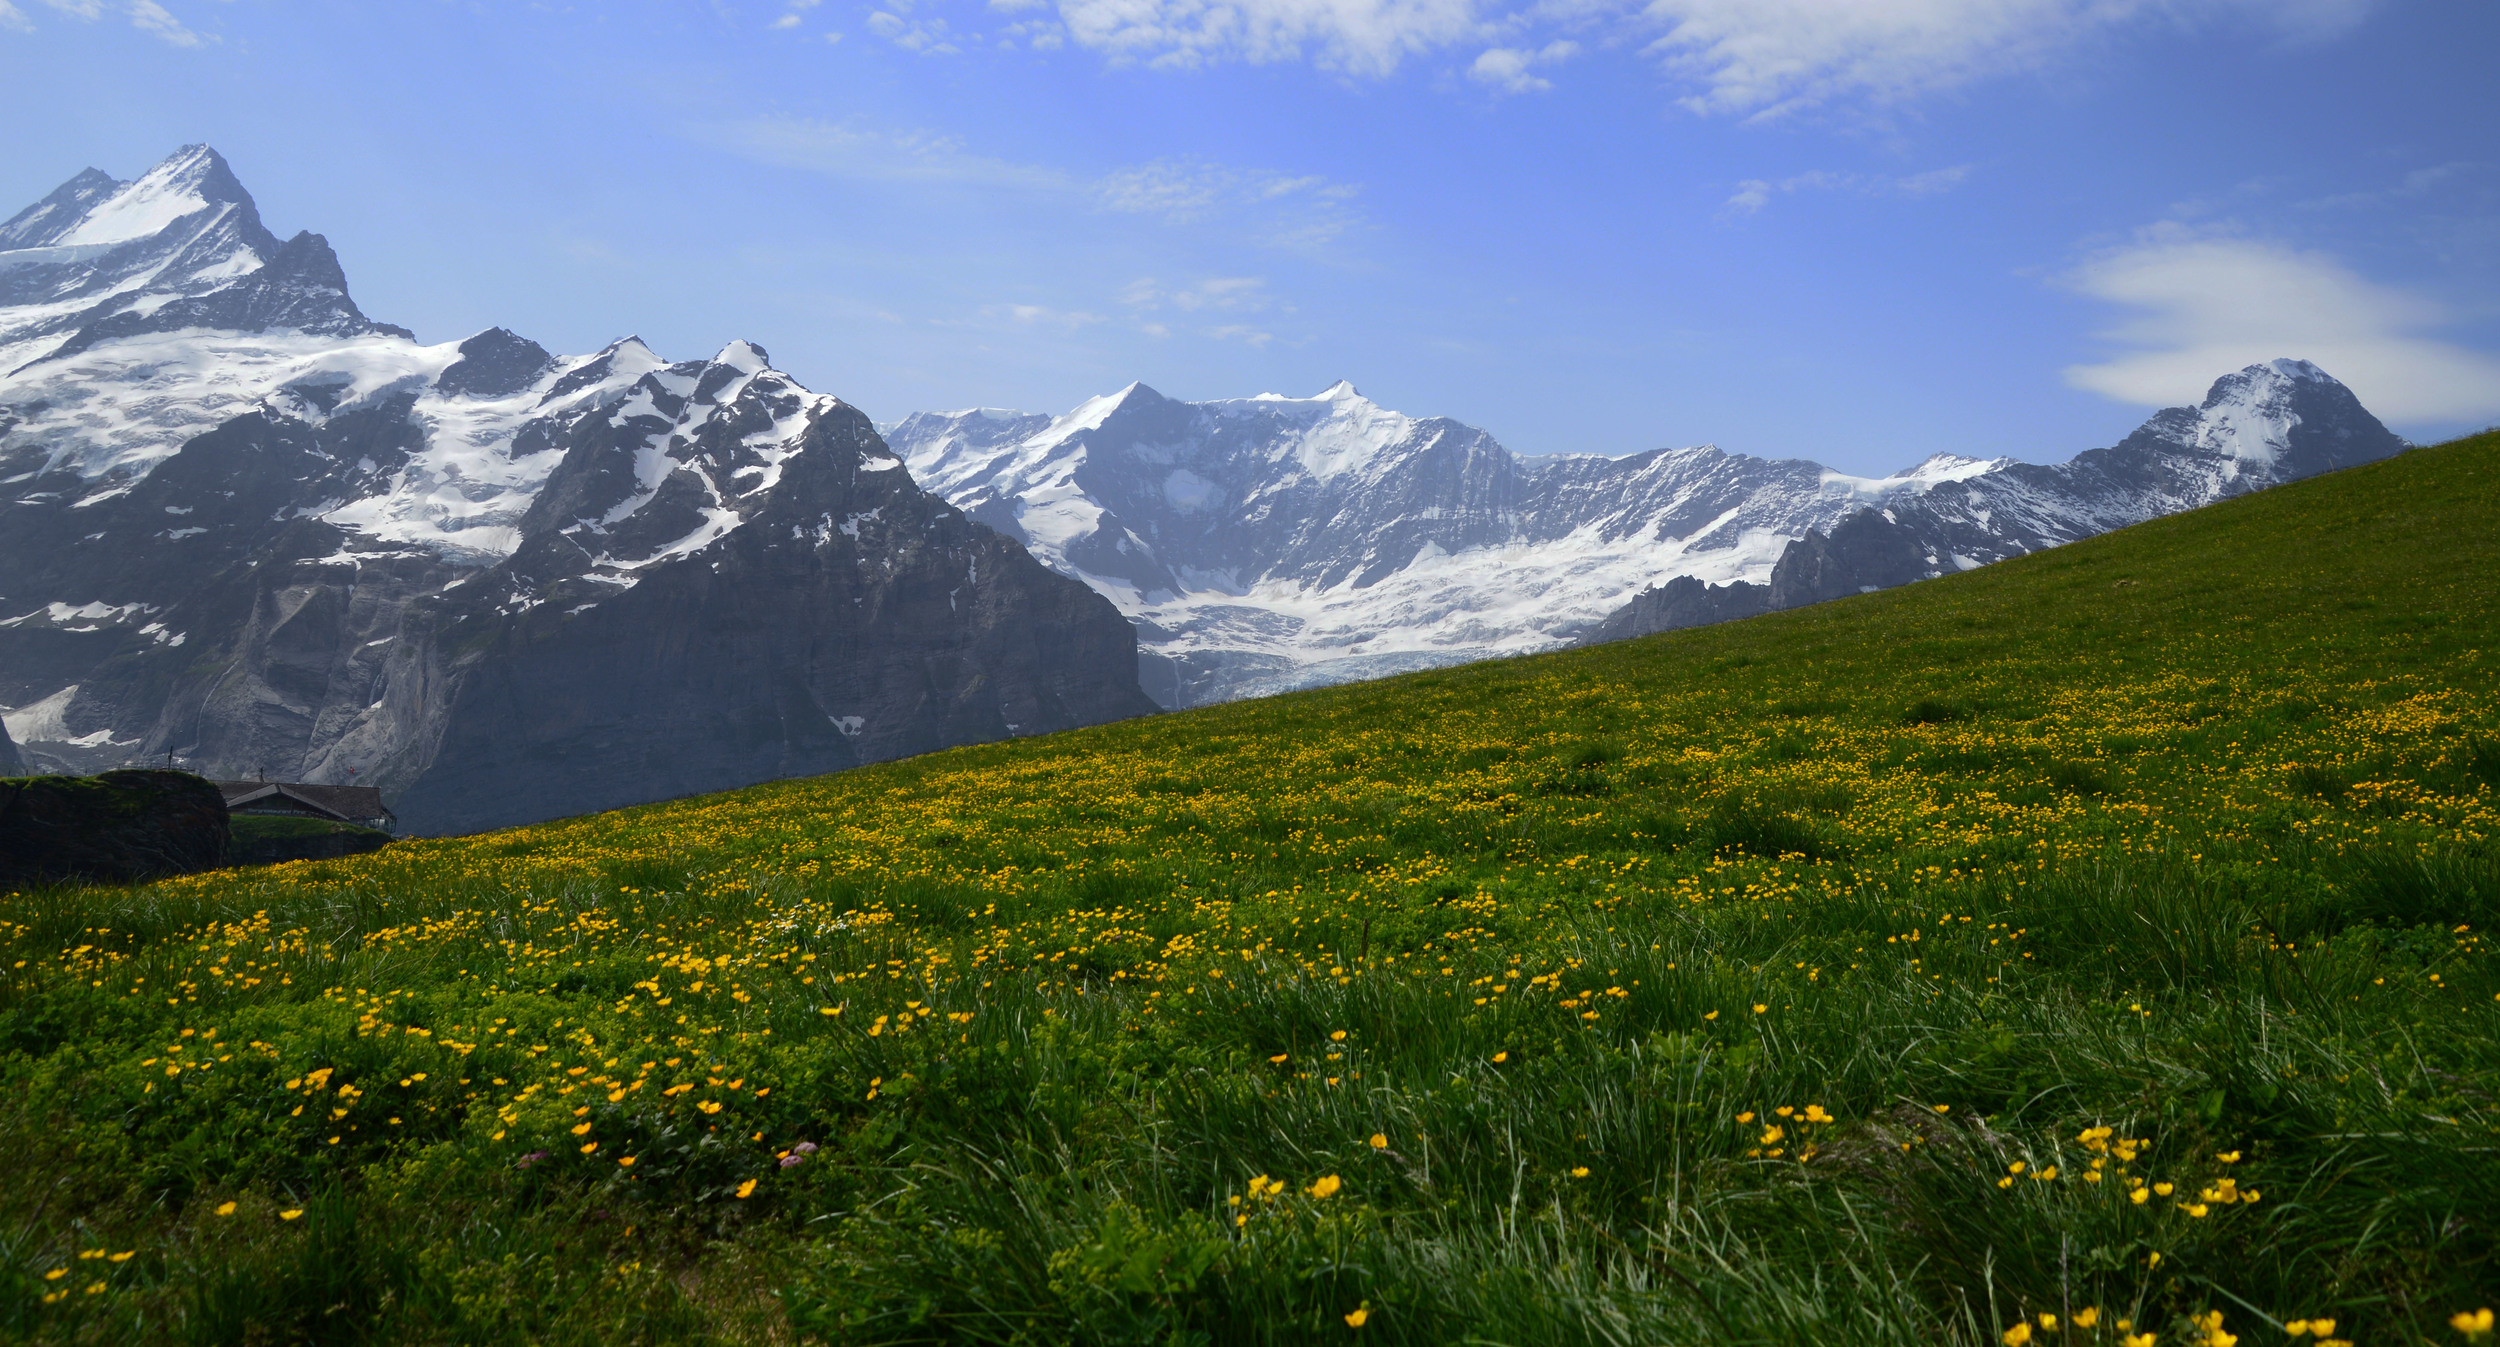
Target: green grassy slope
2097,935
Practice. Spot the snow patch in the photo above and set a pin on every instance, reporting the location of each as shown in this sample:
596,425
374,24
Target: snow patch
45,721
94,616
161,196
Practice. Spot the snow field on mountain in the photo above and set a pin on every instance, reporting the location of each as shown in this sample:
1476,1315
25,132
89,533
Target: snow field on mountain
116,410
1332,534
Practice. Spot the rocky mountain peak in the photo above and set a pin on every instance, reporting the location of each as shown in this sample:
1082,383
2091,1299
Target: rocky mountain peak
1271,542
55,215
97,250
496,363
2273,421
301,288
93,210
743,356
255,530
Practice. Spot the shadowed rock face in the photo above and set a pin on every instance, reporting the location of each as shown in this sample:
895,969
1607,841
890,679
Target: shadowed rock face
1683,602
118,827
495,364
500,585
301,288
852,618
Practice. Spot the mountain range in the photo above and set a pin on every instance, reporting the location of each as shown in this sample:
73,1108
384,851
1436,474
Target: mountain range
247,530
1267,543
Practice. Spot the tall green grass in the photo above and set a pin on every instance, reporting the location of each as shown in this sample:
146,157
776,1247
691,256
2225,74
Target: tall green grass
1958,875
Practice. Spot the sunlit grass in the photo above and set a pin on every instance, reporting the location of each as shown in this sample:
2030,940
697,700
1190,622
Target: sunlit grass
2100,936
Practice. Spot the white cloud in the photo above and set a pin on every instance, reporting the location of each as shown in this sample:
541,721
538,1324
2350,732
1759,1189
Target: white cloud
1751,195
1271,210
2209,303
1754,57
2416,183
926,34
1175,191
1754,193
788,21
1507,68
1230,295
849,150
1033,314
1769,56
145,15
1362,37
1281,211
1245,293
1932,181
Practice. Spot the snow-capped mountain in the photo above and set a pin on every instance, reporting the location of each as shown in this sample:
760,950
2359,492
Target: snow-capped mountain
1275,542
244,526
2262,426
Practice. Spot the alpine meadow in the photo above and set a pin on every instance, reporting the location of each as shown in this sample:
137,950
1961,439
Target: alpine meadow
2092,948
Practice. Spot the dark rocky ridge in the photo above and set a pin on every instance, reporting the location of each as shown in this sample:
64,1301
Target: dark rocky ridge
496,363
197,254
301,287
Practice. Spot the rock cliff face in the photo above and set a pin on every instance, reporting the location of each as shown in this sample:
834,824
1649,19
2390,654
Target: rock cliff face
266,536
1270,542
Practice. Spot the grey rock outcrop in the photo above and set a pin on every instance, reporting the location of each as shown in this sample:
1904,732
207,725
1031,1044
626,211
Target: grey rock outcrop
1683,602
496,363
1865,552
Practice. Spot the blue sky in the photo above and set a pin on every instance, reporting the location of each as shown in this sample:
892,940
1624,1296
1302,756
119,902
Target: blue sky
1850,231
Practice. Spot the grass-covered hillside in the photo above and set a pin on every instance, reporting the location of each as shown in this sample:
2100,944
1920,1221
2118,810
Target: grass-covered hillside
2089,949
